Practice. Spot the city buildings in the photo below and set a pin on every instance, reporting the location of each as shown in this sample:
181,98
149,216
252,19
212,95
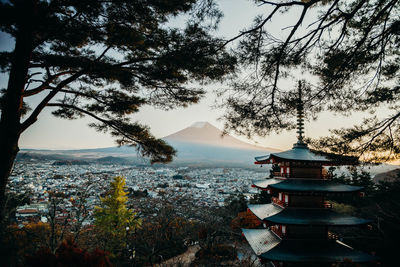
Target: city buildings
203,187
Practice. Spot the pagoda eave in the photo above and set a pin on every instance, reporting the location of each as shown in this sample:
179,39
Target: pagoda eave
317,251
261,240
301,153
313,185
297,153
316,217
263,184
279,160
262,211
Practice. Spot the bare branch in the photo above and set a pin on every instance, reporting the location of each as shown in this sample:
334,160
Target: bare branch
33,117
45,84
92,96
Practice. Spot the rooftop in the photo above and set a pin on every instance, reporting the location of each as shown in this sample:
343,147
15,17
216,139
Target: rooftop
260,240
314,185
304,216
264,183
315,251
299,152
263,211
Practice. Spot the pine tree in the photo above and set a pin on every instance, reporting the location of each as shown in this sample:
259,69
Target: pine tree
104,60
362,178
347,53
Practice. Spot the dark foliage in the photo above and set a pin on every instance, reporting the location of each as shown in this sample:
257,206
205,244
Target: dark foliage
261,198
13,201
347,54
218,255
381,205
165,232
357,177
235,204
68,255
384,207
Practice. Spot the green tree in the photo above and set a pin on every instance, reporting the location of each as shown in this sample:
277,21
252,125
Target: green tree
104,60
261,198
349,53
342,178
235,204
357,177
382,206
113,219
362,178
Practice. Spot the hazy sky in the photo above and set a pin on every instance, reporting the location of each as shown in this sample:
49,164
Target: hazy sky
54,133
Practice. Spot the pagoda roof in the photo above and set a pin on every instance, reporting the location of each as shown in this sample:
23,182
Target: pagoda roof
314,185
327,251
299,152
261,240
263,211
304,216
264,183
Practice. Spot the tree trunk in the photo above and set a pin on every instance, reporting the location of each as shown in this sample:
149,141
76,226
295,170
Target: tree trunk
10,129
8,152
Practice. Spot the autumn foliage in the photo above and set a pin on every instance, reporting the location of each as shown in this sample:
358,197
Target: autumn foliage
245,219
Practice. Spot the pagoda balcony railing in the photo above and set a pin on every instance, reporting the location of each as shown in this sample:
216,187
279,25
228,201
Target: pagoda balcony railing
278,202
333,236
277,230
279,174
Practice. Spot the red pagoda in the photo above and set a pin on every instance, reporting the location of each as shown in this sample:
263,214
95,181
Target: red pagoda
296,225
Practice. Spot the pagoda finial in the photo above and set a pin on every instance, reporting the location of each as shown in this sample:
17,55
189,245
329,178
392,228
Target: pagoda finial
300,118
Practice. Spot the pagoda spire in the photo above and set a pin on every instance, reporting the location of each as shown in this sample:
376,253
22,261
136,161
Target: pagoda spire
300,118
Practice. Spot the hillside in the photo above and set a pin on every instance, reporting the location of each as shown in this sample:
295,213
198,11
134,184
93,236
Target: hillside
389,176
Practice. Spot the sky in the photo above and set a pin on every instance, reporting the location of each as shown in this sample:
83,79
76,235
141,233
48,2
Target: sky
54,133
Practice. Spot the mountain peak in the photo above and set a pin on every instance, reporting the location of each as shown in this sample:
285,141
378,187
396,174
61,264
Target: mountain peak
207,134
201,124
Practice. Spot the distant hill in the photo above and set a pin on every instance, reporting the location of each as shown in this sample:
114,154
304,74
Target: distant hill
112,160
200,144
70,162
389,176
38,155
67,158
